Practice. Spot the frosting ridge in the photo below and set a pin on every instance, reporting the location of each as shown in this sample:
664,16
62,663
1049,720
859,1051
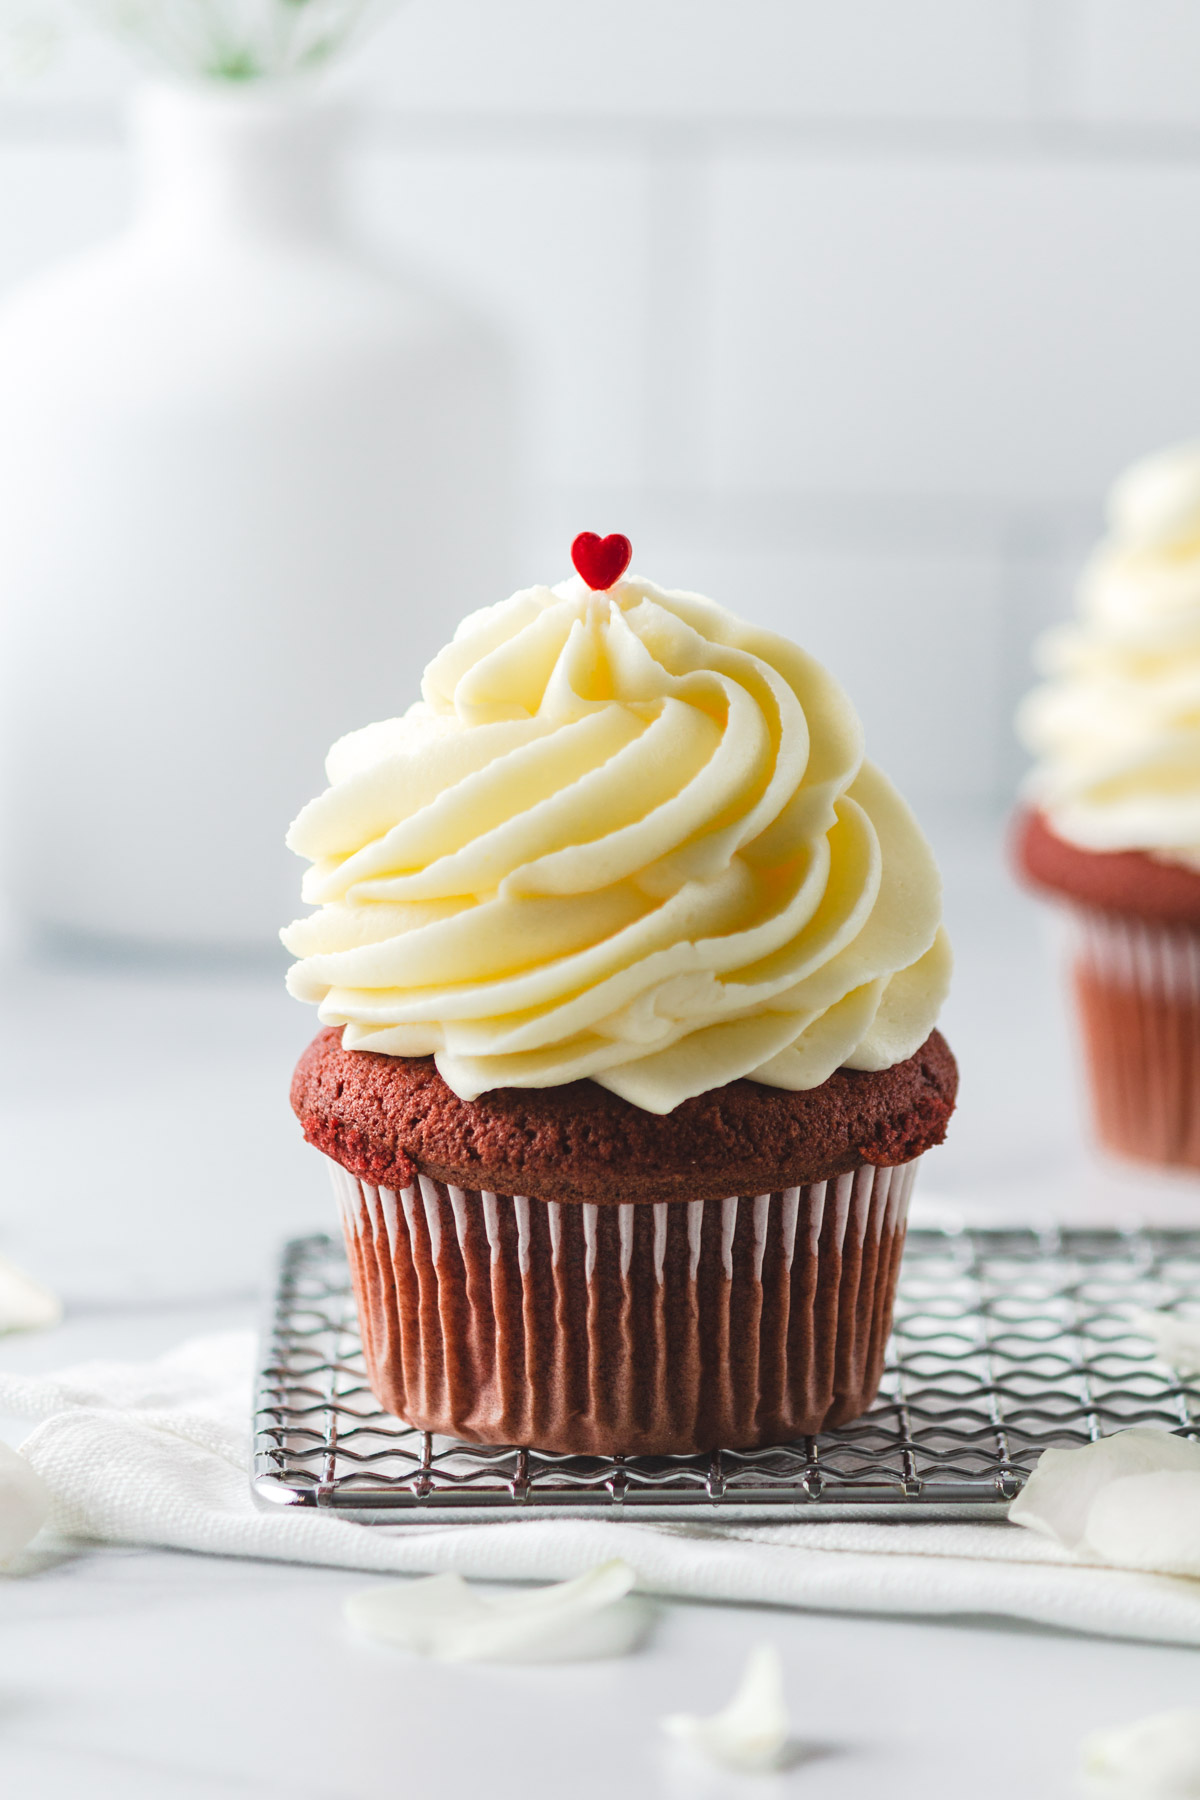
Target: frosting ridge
623,835
1116,725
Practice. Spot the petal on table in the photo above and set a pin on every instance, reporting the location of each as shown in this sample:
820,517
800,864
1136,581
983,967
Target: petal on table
1155,1756
1177,1340
1058,1497
24,1502
1149,1522
25,1305
753,1732
441,1616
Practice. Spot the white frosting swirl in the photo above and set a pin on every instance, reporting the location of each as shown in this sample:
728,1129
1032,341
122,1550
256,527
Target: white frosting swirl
624,836
1117,725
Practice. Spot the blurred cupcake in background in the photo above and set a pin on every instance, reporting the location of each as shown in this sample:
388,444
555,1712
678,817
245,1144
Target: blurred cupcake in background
1111,826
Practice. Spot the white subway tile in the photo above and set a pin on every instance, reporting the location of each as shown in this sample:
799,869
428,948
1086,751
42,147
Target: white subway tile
552,249
1132,61
699,59
1013,329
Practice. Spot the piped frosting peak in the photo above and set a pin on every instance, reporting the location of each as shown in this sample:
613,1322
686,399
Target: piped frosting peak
1116,726
623,835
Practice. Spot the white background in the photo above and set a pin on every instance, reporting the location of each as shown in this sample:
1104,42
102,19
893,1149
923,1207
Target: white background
847,313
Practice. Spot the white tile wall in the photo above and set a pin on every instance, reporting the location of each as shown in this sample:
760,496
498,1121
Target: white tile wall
846,312
1133,61
990,327
1041,571
696,59
515,234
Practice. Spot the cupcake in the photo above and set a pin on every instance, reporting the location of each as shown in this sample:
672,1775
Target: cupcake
1111,830
629,966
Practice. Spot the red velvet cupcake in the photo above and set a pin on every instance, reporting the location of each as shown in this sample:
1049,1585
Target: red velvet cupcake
1134,937
554,1266
631,966
1113,830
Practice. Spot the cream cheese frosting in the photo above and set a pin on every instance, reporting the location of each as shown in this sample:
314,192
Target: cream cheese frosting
1116,727
623,835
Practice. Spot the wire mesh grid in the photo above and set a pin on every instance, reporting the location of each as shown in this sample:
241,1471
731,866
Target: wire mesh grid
1004,1343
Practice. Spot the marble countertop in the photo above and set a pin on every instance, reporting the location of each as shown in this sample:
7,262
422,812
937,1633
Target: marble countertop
150,1165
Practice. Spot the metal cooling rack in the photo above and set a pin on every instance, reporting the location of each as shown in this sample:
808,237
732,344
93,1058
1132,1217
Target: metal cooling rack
1004,1342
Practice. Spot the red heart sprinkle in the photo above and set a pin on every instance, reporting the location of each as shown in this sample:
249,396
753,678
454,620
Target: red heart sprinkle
601,561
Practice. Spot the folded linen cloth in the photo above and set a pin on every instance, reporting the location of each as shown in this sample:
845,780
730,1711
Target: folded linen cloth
157,1453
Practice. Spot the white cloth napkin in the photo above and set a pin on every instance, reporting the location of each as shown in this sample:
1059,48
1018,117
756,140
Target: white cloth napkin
157,1453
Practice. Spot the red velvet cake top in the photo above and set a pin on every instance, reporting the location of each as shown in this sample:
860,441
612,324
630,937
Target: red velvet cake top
1114,881
387,1118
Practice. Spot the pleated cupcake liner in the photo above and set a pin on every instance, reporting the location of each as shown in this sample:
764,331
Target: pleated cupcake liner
635,1328
1137,992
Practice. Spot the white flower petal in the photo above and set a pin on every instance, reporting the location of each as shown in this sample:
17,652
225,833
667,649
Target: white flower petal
25,1305
441,1616
24,1502
1155,1756
753,1731
1177,1340
1058,1497
1149,1522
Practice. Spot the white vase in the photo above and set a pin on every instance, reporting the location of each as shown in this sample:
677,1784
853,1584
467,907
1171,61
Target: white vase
248,484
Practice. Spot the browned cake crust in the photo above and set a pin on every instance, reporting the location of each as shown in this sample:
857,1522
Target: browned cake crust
389,1118
1114,881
